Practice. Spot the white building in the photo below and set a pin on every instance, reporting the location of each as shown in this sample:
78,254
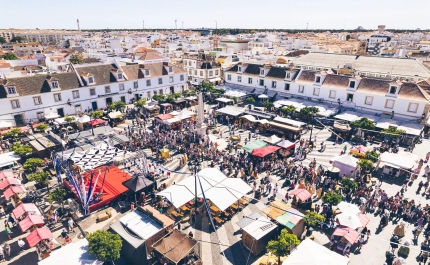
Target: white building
200,70
85,87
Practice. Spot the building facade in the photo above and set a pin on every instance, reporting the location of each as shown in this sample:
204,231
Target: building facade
200,70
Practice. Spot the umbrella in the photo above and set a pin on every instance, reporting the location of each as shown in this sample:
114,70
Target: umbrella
349,220
263,96
346,207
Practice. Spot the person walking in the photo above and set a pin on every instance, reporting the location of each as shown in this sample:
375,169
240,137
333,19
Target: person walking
8,232
70,224
6,248
21,244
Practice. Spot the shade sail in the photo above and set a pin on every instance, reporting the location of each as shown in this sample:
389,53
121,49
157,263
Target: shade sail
37,235
346,207
347,116
286,144
9,181
302,194
13,190
137,184
24,208
347,232
175,246
177,195
254,145
273,139
29,221
246,220
311,253
97,122
264,151
236,186
221,197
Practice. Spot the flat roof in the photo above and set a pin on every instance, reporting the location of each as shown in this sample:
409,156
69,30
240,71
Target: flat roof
141,224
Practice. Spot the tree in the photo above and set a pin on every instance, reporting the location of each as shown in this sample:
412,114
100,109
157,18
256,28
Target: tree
313,218
372,156
57,195
41,178
10,56
308,112
104,245
363,123
349,184
140,102
97,114
393,132
42,126
365,164
234,100
250,99
348,37
67,44
32,163
332,198
159,98
289,109
268,104
283,244
2,40
20,149
77,58
69,119
117,105
16,39
188,93
176,95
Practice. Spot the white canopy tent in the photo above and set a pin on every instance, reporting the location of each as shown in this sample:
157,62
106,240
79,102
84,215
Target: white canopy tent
290,122
8,158
347,116
115,114
230,111
172,120
182,116
249,118
174,113
84,119
411,128
273,139
384,123
7,121
399,160
75,253
224,100
263,96
222,191
346,163
51,115
311,253
5,124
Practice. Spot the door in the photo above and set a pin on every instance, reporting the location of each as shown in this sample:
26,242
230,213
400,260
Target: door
123,99
350,97
19,120
94,105
136,97
108,101
172,90
60,112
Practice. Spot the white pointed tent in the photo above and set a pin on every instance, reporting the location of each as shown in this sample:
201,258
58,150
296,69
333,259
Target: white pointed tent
273,139
345,163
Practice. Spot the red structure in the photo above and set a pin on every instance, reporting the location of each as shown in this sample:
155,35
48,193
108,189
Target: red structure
112,187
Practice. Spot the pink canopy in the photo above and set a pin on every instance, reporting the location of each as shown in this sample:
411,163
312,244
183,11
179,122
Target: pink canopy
264,151
360,149
38,235
24,208
302,194
363,219
7,182
347,232
29,221
97,122
6,174
13,190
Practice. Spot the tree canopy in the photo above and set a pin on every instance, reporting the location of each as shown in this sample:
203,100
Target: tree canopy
32,163
97,114
309,111
349,184
363,123
313,218
42,126
41,178
332,198
366,164
282,245
10,56
57,195
16,39
140,102
67,44
2,40
69,118
288,109
117,105
159,98
104,245
21,149
77,58
393,131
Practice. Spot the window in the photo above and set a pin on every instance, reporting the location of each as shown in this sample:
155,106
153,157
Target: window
75,94
393,90
135,84
78,108
350,97
90,80
389,104
273,84
40,115
287,87
261,72
54,84
148,82
249,80
181,77
201,73
15,104
368,101
316,91
37,101
195,72
148,94
92,91
288,75
210,73
216,72
11,90
332,94
57,97
239,69
189,63
351,84
229,77
239,79
191,72
119,76
413,107
107,89
160,81
301,89
155,92
171,79
170,69
317,79
121,87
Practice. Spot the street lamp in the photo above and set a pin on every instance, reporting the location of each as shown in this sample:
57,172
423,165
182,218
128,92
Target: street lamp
311,124
194,165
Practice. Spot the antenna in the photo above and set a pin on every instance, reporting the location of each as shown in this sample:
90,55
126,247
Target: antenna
182,24
216,24
144,24
176,24
79,28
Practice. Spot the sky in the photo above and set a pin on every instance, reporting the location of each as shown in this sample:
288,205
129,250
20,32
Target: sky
279,14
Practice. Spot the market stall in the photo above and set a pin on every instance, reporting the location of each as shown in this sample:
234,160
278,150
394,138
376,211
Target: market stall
24,209
354,221
31,222
393,163
343,237
293,123
284,129
341,129
97,122
254,145
176,247
293,221
276,208
264,151
39,236
13,193
301,199
166,108
8,160
7,174
346,164
249,219
359,151
273,139
287,148
151,108
257,234
7,182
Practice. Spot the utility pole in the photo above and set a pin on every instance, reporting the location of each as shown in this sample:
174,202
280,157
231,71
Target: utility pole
216,24
307,26
182,24
176,24
144,24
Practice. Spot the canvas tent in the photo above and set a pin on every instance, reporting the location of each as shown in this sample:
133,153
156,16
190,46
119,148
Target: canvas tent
254,145
138,183
257,234
345,163
399,160
273,139
286,144
230,111
76,253
293,220
174,246
312,253
264,151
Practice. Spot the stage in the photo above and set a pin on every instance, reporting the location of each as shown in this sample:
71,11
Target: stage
112,189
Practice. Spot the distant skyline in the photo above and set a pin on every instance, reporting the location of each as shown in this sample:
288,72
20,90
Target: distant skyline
278,14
